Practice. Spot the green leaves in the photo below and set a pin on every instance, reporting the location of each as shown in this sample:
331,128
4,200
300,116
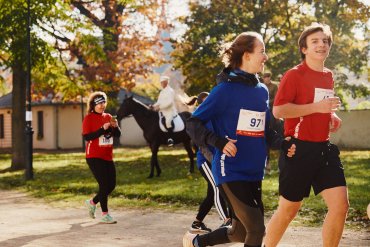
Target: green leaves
280,23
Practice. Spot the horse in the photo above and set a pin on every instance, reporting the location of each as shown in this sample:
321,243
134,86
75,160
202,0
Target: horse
148,120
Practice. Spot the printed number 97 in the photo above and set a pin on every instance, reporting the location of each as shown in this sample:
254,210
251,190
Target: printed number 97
255,122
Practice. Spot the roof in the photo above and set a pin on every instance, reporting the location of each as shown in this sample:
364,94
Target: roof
6,100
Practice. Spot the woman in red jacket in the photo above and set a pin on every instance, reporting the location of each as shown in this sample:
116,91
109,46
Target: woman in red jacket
98,130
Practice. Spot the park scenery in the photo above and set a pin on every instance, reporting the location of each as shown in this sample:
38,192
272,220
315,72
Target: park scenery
54,54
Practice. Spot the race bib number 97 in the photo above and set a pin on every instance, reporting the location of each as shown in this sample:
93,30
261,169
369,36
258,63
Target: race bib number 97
105,142
251,123
322,93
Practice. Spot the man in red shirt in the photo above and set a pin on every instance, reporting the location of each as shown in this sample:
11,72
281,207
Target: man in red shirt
305,99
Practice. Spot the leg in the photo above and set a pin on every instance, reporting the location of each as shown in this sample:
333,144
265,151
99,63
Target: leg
279,222
217,199
190,152
207,203
154,160
336,200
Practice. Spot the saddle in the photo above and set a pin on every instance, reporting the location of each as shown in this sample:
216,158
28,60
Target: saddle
177,123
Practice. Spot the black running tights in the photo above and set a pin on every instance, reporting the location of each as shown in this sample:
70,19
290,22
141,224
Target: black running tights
105,174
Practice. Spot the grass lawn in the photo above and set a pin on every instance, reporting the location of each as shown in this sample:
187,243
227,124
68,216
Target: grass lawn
64,179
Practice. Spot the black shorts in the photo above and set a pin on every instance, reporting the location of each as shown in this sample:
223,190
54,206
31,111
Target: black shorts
315,164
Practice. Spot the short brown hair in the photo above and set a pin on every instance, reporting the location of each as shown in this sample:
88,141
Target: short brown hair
313,28
232,53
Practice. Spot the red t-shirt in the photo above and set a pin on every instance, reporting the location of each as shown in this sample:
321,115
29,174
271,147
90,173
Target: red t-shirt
101,147
302,85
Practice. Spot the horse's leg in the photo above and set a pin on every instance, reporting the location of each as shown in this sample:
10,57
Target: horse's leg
190,152
154,160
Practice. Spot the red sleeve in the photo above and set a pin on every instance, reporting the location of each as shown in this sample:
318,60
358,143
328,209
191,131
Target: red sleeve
86,127
287,90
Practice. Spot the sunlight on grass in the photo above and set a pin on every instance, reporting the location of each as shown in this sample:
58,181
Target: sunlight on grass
64,179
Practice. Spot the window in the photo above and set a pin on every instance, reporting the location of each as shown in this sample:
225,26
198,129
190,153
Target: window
40,125
2,126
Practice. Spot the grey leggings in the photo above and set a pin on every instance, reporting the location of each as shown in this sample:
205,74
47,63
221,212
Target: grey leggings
248,222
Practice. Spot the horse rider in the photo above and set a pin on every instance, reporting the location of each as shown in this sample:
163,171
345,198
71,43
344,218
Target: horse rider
166,106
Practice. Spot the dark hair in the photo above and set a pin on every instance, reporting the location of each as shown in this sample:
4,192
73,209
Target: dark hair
313,28
232,53
201,97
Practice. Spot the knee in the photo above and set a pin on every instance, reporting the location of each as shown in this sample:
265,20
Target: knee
255,236
288,213
340,209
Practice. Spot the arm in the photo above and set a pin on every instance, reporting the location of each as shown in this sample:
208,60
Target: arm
290,110
93,135
201,136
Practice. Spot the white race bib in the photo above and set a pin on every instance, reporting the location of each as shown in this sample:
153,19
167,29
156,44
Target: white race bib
251,123
105,142
321,94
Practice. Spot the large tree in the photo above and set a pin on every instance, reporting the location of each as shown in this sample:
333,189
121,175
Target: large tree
280,23
77,47
13,55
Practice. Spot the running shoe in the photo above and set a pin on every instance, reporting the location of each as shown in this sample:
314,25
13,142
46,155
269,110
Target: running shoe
91,209
199,227
187,240
107,219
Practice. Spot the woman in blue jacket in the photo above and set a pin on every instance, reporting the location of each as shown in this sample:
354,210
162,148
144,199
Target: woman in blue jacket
213,197
238,110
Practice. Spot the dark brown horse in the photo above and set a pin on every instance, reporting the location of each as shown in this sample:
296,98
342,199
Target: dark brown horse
148,120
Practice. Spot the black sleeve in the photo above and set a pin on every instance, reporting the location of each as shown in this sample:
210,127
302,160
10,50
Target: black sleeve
116,132
94,135
206,153
202,136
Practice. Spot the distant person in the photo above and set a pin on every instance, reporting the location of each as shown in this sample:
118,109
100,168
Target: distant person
238,110
305,99
272,88
213,197
166,105
98,130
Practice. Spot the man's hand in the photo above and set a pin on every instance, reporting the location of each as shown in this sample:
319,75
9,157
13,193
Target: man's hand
291,150
335,123
328,105
230,148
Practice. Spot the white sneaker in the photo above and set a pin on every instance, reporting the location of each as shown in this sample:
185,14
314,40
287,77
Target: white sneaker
187,240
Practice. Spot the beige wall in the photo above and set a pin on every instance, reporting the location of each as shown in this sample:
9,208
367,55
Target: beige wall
355,130
6,142
132,134
69,126
48,141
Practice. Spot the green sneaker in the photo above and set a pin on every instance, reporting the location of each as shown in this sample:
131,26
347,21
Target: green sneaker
107,219
91,209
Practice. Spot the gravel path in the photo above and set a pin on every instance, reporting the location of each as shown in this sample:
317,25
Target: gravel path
25,221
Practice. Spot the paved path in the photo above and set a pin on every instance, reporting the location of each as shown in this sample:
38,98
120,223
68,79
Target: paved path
25,221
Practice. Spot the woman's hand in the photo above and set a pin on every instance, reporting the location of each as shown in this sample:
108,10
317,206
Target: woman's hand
106,125
230,148
114,122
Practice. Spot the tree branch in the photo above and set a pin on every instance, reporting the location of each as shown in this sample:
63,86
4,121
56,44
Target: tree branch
80,6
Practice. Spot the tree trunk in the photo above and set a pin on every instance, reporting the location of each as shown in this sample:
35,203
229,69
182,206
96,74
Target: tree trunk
18,118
